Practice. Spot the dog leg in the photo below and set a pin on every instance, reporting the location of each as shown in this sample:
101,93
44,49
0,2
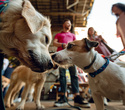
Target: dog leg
105,101
38,88
8,95
18,88
98,99
122,94
30,94
24,96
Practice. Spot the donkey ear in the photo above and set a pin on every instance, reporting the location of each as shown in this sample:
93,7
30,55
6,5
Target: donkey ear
90,44
33,18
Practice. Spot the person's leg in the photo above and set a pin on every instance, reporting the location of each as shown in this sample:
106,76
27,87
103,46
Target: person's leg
78,100
74,80
62,101
5,90
62,80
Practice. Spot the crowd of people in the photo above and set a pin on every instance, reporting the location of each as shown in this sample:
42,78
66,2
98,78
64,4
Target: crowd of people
61,40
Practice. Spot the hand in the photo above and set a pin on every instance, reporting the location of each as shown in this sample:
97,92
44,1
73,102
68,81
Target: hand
5,82
64,45
4,85
100,37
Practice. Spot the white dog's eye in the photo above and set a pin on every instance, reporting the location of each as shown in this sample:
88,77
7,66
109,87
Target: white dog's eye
46,40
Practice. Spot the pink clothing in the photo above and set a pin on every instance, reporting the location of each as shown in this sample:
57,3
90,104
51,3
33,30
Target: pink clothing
121,27
101,48
64,37
2,2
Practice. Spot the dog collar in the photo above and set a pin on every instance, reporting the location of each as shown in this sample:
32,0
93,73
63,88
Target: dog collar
100,69
87,67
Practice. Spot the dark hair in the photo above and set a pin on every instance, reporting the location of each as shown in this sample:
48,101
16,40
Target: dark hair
120,6
65,20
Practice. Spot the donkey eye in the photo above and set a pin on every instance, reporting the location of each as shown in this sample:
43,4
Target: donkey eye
46,40
70,46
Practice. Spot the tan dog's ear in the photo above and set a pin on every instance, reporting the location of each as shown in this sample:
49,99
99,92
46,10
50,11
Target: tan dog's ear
90,44
33,19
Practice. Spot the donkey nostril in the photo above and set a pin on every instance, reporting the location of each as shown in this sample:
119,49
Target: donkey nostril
50,64
53,56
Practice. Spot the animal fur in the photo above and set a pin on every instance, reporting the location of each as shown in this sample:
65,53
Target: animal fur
109,83
24,76
26,34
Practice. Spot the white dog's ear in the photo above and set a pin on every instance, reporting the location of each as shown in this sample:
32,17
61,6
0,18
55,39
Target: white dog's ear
33,19
90,44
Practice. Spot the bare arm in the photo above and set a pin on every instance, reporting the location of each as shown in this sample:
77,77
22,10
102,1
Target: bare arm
102,38
57,44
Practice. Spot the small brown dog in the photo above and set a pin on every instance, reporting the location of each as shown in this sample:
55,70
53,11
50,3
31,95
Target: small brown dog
21,76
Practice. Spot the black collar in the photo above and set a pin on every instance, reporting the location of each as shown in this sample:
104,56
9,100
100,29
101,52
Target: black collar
87,67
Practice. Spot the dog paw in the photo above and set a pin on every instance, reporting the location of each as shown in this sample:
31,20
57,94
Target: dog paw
41,107
13,104
20,108
7,106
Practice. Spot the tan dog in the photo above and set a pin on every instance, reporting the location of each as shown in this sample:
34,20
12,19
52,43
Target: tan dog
106,79
21,76
26,34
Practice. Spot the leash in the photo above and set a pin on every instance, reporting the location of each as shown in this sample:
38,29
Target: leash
111,58
102,68
78,108
116,55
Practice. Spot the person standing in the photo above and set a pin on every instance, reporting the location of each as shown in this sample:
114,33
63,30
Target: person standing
118,9
101,48
5,65
60,41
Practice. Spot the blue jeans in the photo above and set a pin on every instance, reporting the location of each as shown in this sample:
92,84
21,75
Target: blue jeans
74,79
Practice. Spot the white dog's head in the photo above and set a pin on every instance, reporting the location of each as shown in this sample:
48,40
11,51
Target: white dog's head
75,52
26,34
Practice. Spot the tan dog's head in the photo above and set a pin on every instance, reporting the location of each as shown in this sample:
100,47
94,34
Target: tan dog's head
75,52
26,34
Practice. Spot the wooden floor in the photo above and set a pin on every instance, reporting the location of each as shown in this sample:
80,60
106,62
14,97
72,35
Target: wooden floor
114,105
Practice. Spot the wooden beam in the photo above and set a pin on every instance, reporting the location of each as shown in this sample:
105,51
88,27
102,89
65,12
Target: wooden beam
61,14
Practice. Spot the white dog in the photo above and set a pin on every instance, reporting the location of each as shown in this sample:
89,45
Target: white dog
26,34
106,79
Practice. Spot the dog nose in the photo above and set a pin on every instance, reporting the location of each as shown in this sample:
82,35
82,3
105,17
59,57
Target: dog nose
53,56
50,64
